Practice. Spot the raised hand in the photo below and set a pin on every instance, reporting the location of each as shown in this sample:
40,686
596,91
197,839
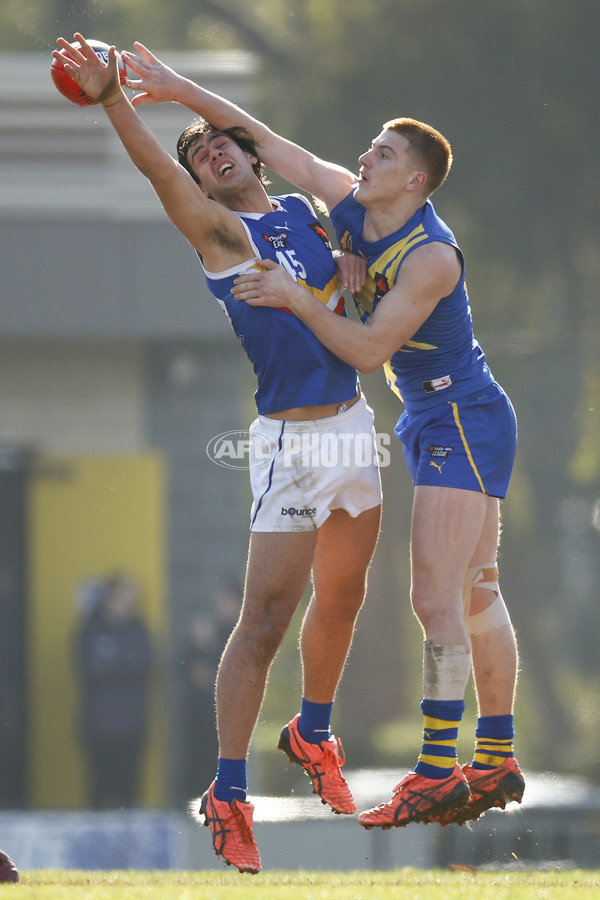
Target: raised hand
157,81
98,79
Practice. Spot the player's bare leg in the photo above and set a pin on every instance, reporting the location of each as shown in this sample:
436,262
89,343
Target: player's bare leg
277,572
494,653
494,776
278,569
446,526
344,549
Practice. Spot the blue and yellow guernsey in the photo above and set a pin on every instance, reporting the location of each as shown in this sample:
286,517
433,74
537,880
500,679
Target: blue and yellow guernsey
442,361
292,367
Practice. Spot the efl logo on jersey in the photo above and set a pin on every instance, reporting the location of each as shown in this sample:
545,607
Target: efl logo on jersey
277,241
321,233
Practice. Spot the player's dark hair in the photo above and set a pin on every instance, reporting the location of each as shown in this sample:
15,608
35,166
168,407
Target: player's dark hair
240,135
429,146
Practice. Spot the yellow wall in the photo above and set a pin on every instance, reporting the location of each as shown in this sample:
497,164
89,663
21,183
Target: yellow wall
88,517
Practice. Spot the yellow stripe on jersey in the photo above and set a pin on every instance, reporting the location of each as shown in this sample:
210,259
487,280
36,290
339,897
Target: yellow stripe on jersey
390,379
389,261
417,345
466,446
329,295
386,264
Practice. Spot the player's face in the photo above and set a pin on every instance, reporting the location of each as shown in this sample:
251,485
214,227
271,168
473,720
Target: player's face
220,164
386,169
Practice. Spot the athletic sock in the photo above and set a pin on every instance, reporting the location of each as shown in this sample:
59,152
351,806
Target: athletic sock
314,724
440,736
231,782
494,741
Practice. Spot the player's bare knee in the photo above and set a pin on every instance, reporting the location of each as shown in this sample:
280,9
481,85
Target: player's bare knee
262,643
428,610
261,636
348,606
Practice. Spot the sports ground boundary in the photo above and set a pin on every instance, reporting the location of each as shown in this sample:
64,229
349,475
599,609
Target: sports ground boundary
558,824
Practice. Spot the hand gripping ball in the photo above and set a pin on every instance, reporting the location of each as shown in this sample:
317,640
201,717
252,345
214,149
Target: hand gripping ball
69,88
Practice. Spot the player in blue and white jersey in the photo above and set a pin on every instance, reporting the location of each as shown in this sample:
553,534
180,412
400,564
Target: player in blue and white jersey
458,430
310,515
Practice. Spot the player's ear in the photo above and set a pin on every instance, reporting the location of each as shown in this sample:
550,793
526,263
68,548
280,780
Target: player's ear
417,181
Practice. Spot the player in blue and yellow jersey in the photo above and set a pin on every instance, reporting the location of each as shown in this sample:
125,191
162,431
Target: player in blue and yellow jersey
458,430
311,514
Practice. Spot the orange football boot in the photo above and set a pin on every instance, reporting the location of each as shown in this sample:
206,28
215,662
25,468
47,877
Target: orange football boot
489,788
322,763
231,829
419,799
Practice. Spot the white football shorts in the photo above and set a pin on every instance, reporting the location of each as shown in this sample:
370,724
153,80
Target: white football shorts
301,471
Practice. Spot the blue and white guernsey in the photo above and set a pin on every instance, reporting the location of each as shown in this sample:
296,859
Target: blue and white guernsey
292,367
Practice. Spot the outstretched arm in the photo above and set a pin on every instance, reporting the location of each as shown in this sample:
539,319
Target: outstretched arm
428,274
195,215
158,83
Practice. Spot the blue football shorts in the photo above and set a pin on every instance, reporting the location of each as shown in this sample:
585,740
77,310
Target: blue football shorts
468,443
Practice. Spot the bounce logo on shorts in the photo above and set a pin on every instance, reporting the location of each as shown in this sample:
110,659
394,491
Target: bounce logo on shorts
231,449
292,511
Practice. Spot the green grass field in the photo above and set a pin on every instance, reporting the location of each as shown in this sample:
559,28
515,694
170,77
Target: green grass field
412,884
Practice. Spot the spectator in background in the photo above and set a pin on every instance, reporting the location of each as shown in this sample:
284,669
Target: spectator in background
114,657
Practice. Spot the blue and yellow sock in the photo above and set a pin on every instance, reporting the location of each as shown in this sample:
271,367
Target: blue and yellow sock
231,782
494,741
314,723
440,736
